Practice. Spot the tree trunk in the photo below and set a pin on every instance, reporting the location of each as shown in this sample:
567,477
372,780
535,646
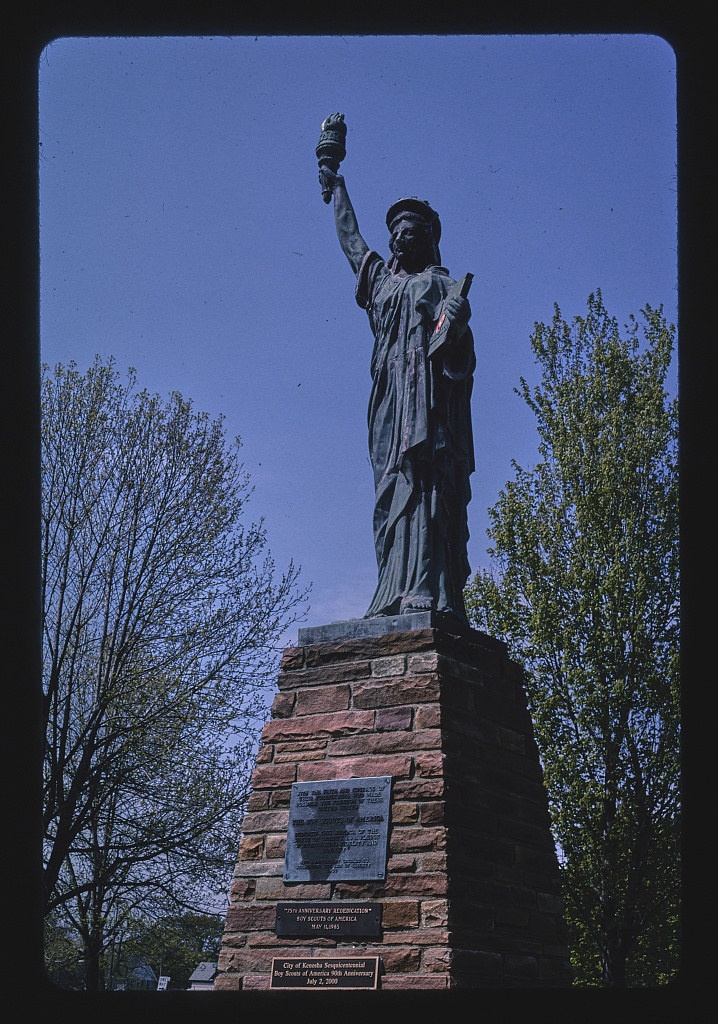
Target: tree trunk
614,963
94,977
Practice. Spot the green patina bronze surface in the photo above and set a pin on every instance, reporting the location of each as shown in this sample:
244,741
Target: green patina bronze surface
420,433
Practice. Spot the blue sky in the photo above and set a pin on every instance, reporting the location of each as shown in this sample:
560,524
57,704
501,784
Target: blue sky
182,231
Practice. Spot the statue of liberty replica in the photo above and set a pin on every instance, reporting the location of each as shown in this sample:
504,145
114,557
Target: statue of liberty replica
420,435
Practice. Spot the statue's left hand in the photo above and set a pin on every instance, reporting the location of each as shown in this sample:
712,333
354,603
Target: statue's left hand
458,311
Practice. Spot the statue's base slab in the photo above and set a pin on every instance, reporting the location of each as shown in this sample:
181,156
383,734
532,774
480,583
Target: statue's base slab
379,625
471,896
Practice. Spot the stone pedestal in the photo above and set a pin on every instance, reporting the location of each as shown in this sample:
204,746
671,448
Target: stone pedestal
471,897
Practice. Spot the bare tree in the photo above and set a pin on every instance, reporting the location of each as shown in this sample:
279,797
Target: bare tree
162,611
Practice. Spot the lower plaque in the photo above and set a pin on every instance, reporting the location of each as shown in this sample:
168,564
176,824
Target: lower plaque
325,972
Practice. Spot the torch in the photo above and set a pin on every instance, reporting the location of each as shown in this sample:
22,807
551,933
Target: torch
330,148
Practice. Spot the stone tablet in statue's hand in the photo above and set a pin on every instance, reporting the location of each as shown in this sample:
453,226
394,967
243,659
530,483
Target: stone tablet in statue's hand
458,312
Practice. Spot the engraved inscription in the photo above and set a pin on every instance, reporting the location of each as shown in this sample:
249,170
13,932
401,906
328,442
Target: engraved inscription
338,830
328,918
324,972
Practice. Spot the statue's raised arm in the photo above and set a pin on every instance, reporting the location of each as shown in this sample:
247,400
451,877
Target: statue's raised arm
330,152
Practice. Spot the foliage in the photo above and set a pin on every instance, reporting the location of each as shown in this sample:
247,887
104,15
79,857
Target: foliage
161,615
585,590
64,959
174,945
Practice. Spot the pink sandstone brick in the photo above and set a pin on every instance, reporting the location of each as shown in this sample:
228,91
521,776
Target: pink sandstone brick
454,669
228,983
233,941
367,766
396,958
250,917
264,754
427,661
338,723
325,674
437,959
413,982
269,776
226,959
414,885
405,812
389,742
292,658
338,744
427,716
405,690
317,753
435,913
246,961
402,862
328,698
273,888
251,847
512,740
241,889
431,812
270,941
393,719
259,868
406,839
265,821
276,845
299,750
279,798
258,801
283,705
418,789
401,914
438,937
429,765
298,746
254,982
392,666
431,862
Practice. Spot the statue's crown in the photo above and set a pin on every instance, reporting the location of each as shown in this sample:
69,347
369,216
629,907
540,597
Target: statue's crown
413,207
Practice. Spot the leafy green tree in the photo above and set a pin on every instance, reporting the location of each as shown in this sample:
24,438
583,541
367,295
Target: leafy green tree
174,945
584,588
64,958
162,611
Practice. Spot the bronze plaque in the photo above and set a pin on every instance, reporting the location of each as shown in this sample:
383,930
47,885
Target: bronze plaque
325,972
332,919
338,830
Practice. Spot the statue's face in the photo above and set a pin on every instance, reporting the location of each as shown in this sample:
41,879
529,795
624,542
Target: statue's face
411,243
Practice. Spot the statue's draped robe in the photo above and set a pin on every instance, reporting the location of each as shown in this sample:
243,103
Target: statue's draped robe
420,441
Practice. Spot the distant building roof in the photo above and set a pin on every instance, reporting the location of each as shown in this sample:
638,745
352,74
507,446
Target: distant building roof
204,972
140,969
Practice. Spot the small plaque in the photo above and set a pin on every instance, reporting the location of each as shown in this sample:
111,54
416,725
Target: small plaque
325,972
330,919
338,830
